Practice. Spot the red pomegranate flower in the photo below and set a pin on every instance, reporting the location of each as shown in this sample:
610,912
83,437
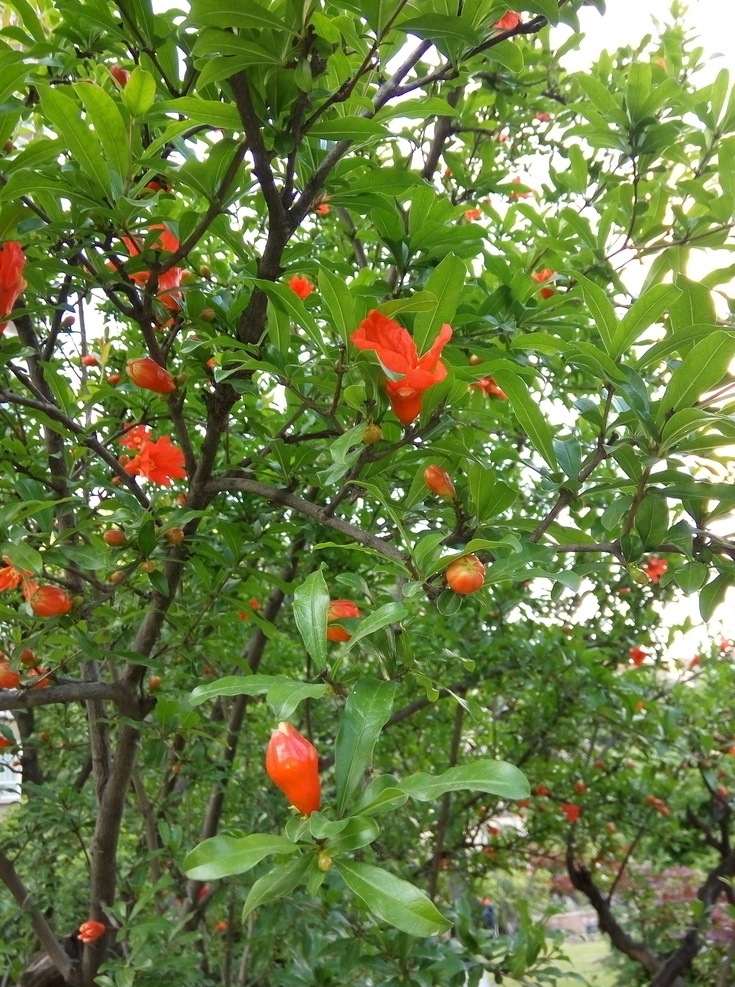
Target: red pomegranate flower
10,577
159,461
167,281
91,930
655,568
135,436
301,286
12,261
338,610
544,275
488,385
508,21
398,355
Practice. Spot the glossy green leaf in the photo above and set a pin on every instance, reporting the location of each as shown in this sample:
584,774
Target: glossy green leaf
109,126
652,520
701,369
64,116
359,832
336,296
389,613
211,112
644,312
489,495
395,901
601,310
234,13
366,712
140,92
277,883
347,129
480,775
446,283
223,856
310,605
526,409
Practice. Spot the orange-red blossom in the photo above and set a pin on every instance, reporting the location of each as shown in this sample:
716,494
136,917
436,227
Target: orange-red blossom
159,461
292,763
508,21
338,610
545,274
301,286
398,355
168,280
91,930
12,261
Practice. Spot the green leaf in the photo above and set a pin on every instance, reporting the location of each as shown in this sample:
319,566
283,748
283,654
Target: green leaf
691,577
310,605
637,89
277,883
233,13
140,92
569,455
347,129
509,54
601,310
109,126
701,369
366,712
713,594
389,613
285,695
644,312
336,296
489,495
232,685
526,410
480,775
446,283
359,832
289,302
652,520
208,111
392,899
440,26
223,856
22,556
63,114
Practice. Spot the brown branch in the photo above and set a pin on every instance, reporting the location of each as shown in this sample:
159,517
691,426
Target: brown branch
442,823
67,692
62,962
313,511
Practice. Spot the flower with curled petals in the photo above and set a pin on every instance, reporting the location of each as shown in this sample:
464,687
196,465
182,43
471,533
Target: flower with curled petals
159,461
398,356
170,279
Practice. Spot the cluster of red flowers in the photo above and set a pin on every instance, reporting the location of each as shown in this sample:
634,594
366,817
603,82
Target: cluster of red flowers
12,261
160,461
398,356
170,279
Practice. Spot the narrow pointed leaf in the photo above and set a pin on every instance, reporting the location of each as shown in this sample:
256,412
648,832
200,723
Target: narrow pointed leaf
223,856
367,710
392,899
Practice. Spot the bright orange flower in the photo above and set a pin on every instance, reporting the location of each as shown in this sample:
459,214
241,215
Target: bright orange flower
10,577
508,21
543,117
301,286
159,461
12,260
91,930
471,214
338,610
544,275
655,568
167,243
135,436
488,385
398,355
